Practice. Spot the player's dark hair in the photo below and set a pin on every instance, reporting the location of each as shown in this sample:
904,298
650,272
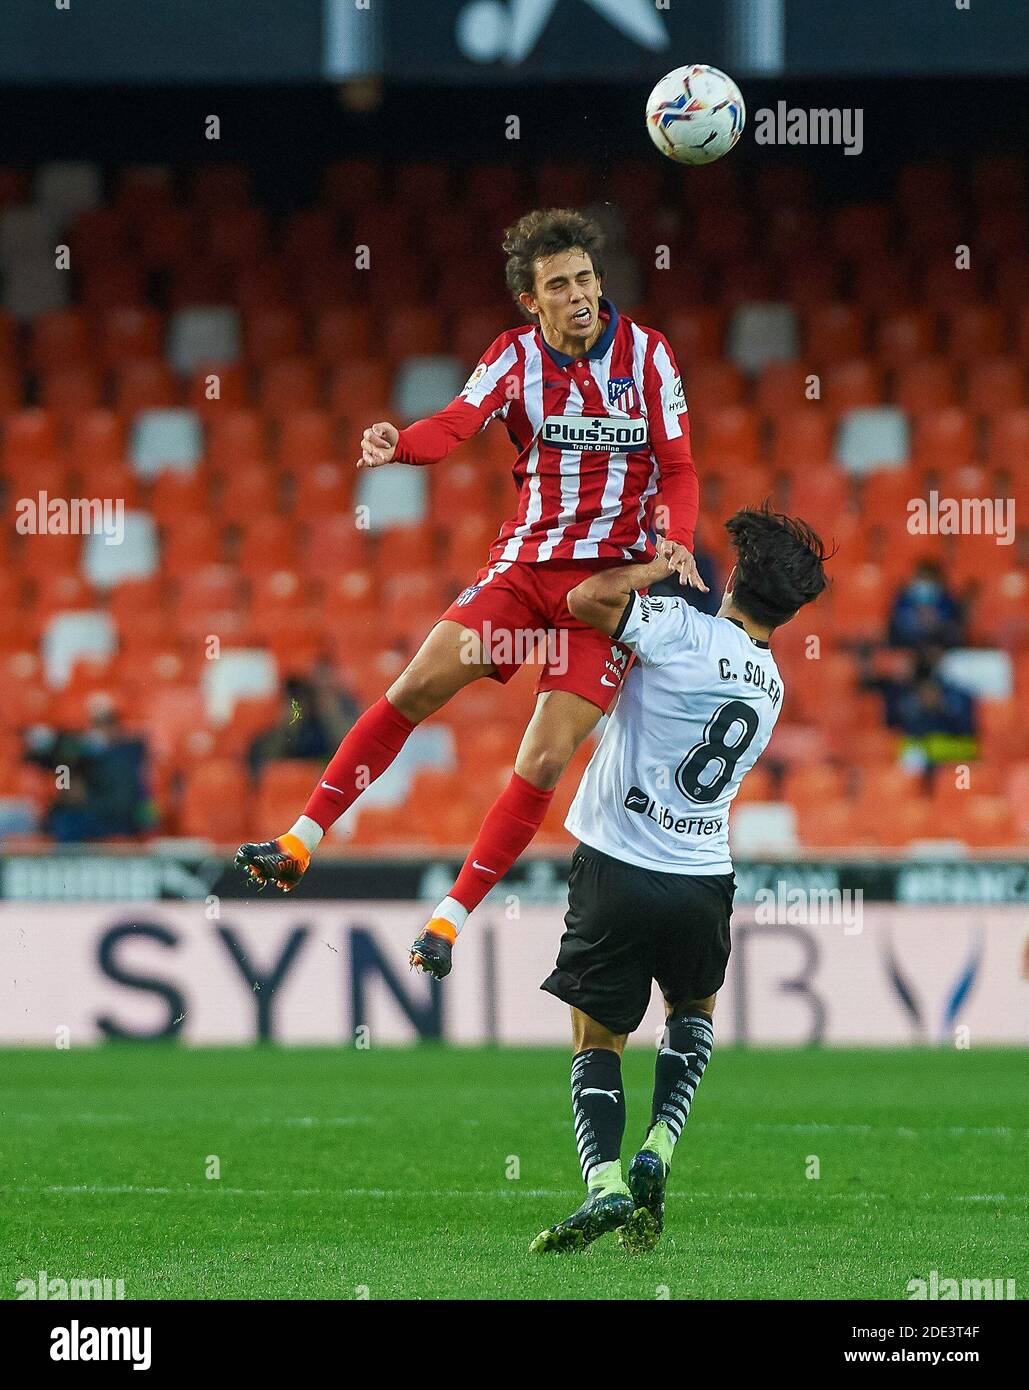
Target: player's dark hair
546,232
779,564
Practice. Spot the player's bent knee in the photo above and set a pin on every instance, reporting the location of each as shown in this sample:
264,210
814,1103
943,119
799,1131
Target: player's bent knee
542,767
685,1007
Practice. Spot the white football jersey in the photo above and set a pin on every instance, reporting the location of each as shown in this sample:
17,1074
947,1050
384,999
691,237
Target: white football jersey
694,715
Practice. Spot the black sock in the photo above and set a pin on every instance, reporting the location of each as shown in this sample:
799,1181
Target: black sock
598,1107
683,1055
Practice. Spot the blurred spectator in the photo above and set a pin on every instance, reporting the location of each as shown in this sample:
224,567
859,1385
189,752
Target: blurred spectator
101,779
317,713
938,718
925,613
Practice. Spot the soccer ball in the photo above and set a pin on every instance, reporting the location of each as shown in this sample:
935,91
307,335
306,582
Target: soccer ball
695,114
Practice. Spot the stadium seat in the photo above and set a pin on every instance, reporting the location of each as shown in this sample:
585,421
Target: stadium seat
29,437
239,673
996,386
905,336
987,822
943,439
289,384
271,334
1009,439
974,332
71,636
216,802
834,333
830,825
166,439
392,497
143,386
762,333
851,385
128,332
425,384
873,438
925,385
68,391
761,827
58,339
132,555
205,334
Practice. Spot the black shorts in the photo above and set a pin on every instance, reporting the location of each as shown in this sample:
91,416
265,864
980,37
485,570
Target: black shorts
626,926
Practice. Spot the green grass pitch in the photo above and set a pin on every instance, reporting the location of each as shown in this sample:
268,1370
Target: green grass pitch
385,1173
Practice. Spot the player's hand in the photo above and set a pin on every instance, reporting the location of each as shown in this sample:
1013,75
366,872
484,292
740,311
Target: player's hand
378,445
682,562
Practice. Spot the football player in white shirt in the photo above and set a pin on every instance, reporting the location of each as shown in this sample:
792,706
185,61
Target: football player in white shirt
651,886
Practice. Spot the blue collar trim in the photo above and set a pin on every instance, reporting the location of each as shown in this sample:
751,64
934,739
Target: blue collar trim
599,348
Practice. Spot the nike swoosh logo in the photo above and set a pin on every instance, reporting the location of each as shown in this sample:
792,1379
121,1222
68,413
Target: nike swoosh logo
477,865
330,788
593,1091
605,680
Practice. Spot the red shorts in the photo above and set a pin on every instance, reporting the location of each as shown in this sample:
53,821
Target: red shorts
521,613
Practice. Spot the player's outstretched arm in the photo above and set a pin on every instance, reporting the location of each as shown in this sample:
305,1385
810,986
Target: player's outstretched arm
600,600
378,445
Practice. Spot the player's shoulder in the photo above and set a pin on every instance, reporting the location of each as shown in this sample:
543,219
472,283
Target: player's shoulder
511,337
653,337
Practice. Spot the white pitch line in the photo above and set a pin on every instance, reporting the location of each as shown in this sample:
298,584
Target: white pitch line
465,1193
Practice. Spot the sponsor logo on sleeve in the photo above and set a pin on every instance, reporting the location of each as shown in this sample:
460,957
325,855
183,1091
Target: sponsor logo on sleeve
475,378
673,397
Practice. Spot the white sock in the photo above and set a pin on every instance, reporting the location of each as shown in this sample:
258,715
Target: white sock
308,832
453,912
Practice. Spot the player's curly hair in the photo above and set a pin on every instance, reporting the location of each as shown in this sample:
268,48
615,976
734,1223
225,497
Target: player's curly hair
779,564
545,232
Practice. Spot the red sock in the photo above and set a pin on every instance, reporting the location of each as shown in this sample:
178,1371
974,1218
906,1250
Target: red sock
365,754
510,824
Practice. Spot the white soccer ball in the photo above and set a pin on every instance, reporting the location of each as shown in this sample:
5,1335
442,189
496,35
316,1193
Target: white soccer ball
695,114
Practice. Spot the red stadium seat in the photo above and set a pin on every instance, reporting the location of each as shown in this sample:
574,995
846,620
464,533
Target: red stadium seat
802,439
411,330
145,385
342,332
695,334
235,436
851,385
924,385
1008,445
59,339
974,331
272,333
834,333
96,439
943,439
783,389
904,336
289,384
129,332
996,387
730,438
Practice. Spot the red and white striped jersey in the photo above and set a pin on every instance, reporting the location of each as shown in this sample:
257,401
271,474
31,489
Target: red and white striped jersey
597,437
